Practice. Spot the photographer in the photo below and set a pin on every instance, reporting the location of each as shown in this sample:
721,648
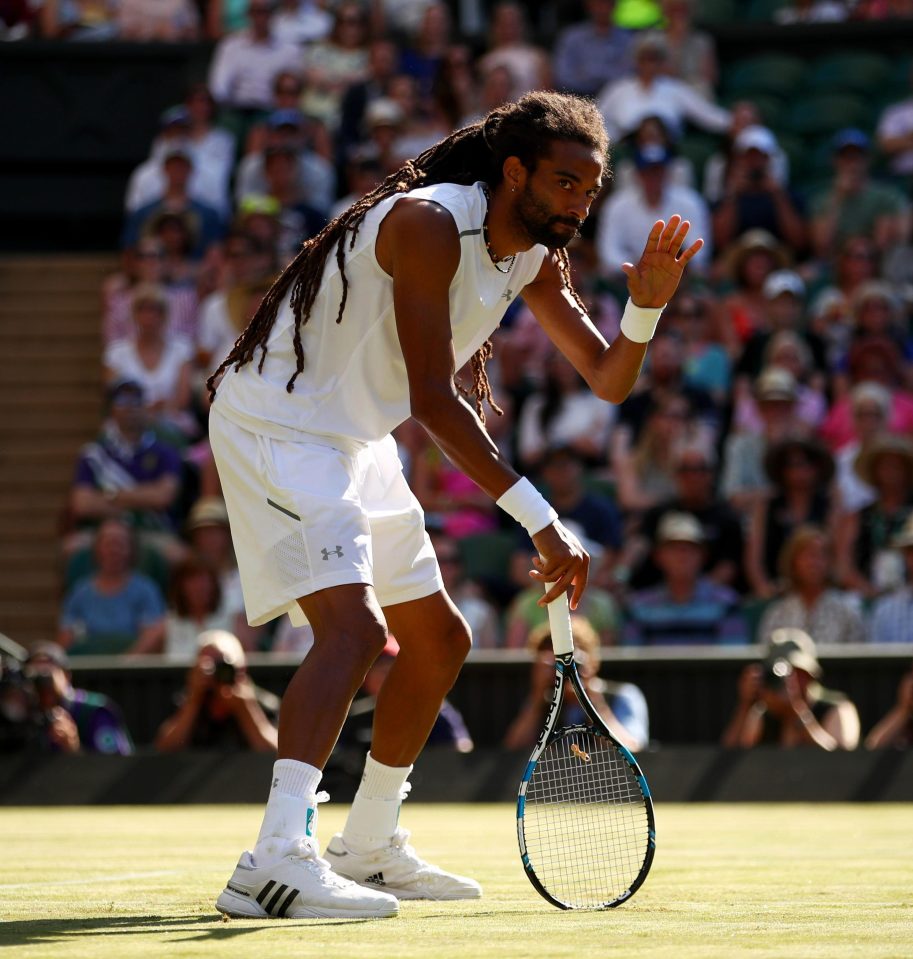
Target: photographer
621,705
895,729
755,198
782,703
47,714
221,708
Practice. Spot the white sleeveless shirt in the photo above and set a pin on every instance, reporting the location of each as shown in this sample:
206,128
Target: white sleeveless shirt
354,382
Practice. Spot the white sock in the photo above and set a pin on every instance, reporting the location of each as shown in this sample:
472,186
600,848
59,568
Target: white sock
291,810
375,809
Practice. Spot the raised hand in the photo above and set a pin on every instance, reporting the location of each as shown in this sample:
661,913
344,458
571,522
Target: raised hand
653,280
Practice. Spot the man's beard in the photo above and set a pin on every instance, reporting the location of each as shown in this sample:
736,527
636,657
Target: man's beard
540,225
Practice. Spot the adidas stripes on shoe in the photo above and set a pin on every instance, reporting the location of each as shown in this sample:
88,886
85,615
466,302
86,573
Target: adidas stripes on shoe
301,885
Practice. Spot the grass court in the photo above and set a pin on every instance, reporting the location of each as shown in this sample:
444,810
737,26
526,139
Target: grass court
792,881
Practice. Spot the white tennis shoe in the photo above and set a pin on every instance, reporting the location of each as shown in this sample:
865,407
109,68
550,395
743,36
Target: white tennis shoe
301,885
397,869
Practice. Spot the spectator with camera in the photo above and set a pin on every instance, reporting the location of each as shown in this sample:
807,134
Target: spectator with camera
895,728
782,702
755,198
220,707
621,705
62,719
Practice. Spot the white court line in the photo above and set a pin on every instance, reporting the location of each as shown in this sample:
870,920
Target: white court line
123,877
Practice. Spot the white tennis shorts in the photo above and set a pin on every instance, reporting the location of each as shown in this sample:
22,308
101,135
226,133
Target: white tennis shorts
308,515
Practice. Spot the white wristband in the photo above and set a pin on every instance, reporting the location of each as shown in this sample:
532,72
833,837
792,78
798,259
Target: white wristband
527,506
638,323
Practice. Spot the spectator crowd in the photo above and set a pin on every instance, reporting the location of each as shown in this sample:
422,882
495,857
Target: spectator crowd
758,481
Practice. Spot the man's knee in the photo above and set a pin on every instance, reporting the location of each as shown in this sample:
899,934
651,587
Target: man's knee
351,628
452,644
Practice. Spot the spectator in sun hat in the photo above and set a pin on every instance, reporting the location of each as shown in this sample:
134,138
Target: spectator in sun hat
686,607
754,197
747,263
871,406
867,561
854,203
892,614
781,700
743,478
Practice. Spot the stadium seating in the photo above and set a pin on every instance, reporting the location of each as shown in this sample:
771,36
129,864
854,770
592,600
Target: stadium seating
851,72
823,114
778,74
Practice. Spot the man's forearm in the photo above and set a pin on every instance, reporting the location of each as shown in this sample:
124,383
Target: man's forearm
456,429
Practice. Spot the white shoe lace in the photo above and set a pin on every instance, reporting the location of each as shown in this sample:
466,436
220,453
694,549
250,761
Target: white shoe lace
307,851
401,848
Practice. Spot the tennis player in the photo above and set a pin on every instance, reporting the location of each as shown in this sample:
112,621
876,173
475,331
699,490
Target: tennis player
368,326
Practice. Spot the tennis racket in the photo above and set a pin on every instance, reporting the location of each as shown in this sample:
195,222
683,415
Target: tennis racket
584,813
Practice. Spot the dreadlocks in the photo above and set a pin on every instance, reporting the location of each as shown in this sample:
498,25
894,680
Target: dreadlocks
524,129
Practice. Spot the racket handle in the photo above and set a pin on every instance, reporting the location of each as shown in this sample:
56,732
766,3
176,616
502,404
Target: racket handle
559,621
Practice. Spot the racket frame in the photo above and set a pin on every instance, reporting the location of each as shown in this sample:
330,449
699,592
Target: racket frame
566,668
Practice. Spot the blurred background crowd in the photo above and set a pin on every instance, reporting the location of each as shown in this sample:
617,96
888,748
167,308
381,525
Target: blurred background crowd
759,478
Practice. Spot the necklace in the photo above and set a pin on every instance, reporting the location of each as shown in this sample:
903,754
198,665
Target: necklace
509,260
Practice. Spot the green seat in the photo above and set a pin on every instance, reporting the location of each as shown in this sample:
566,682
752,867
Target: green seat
901,81
762,11
711,12
862,73
819,116
698,148
770,73
487,555
752,611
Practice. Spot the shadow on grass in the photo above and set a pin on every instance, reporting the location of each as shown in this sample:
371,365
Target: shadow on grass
27,932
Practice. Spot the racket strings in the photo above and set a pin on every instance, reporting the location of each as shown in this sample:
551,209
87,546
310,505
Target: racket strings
585,823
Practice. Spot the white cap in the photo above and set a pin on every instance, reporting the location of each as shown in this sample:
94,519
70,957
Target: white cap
783,281
756,138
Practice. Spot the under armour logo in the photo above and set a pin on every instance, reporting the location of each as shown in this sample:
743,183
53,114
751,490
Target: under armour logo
507,295
328,552
275,782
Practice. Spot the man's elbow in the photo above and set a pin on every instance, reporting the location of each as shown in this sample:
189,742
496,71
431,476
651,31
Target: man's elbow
431,407
612,391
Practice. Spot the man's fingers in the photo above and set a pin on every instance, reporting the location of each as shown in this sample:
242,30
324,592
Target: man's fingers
667,237
678,240
690,252
653,240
